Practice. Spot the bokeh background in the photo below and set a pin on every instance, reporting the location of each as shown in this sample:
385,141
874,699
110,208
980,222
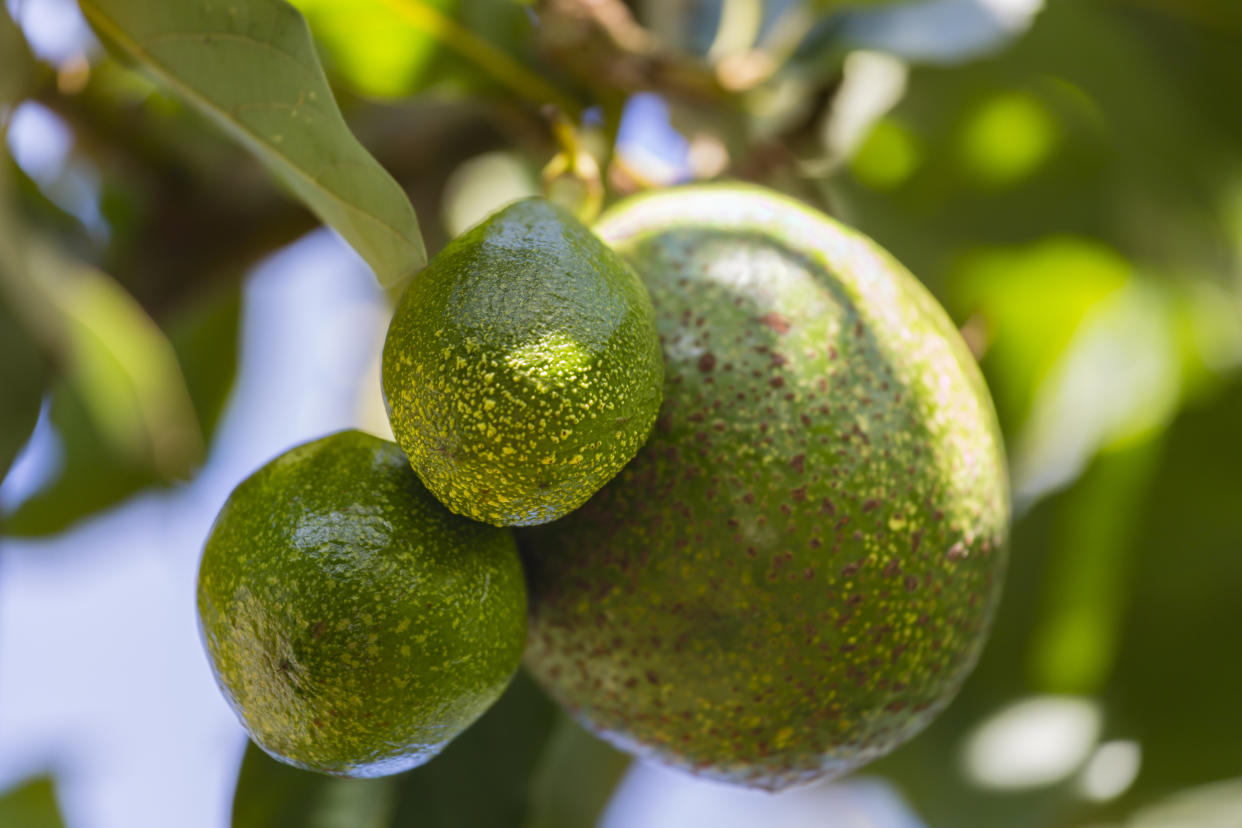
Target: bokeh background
1066,176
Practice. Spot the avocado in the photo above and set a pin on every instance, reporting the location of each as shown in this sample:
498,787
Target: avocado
352,622
798,570
522,367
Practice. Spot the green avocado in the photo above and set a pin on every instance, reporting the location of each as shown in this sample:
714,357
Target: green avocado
353,623
798,570
522,367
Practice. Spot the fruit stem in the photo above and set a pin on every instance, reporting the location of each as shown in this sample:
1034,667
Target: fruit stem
576,166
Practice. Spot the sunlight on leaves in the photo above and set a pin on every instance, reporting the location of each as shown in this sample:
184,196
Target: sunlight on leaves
122,364
1032,300
1118,382
1034,742
249,65
371,46
1073,647
1006,139
889,156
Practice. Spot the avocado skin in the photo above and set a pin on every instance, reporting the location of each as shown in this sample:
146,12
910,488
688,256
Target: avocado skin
352,622
522,367
797,572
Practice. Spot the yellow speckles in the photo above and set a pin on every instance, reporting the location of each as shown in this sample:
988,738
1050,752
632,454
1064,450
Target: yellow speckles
508,451
488,404
402,625
576,459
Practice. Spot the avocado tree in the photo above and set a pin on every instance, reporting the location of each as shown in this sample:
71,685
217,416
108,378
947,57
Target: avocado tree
662,414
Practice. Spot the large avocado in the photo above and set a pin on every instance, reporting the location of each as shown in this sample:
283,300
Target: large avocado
354,624
522,367
798,570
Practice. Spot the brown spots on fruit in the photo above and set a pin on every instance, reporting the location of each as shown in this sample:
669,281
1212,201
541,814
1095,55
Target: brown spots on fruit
798,463
776,322
707,362
777,382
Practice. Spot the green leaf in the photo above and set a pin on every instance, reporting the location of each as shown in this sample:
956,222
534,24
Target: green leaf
16,62
120,363
249,65
22,378
31,805
271,794
481,780
97,474
576,778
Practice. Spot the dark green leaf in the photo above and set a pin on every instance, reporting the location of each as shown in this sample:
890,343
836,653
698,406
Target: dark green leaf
576,779
16,63
22,378
31,805
481,780
272,795
249,65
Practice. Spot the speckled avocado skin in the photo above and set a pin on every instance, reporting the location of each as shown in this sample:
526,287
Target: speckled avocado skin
798,570
522,368
353,623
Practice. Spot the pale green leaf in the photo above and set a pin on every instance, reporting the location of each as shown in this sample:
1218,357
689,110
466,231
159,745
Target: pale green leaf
121,364
249,65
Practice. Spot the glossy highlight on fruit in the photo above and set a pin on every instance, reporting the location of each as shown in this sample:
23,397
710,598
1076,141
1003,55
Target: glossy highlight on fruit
522,367
353,623
798,570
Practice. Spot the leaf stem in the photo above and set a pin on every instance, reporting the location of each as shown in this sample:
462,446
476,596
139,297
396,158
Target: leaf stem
495,62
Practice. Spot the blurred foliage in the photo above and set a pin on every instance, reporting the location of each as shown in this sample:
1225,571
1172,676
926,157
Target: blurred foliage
31,805
396,48
96,472
483,779
1071,192
256,75
22,375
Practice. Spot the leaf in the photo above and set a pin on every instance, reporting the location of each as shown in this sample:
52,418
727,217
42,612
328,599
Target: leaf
386,54
31,805
121,364
481,780
271,794
249,65
576,778
22,378
16,62
97,475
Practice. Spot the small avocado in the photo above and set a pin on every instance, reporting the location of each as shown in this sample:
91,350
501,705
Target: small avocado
353,623
522,367
798,570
